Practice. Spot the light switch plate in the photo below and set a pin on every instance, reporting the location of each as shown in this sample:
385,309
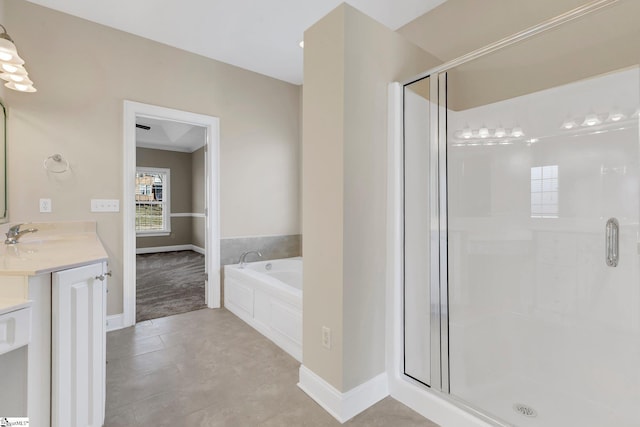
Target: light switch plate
105,205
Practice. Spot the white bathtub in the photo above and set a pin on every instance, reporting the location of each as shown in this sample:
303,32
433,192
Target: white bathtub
268,296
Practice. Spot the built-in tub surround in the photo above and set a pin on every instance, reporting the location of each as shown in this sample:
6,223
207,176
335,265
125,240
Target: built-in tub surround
268,296
271,247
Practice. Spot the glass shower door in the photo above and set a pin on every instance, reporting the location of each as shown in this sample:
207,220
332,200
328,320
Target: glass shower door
417,232
543,205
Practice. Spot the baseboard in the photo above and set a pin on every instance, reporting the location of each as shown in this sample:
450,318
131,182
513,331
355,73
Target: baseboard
115,322
343,406
173,248
198,249
437,408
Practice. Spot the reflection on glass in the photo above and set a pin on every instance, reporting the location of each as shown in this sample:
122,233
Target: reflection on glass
542,332
544,191
529,298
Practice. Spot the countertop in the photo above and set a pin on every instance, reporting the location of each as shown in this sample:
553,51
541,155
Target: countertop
55,246
7,305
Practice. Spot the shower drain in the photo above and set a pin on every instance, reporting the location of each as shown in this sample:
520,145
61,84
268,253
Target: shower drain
525,410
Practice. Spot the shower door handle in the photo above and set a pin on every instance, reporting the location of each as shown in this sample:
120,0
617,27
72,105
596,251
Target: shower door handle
611,242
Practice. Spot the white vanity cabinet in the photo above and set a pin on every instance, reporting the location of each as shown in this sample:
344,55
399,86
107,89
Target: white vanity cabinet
78,314
15,334
61,273
66,356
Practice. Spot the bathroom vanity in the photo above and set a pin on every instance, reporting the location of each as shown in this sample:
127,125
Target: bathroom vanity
53,295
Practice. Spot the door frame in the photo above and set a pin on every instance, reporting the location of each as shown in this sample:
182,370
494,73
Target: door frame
212,200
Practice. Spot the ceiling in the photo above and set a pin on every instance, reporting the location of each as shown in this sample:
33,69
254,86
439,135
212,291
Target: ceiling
258,35
169,135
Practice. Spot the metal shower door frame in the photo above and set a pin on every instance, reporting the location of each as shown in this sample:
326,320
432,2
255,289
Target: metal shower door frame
439,321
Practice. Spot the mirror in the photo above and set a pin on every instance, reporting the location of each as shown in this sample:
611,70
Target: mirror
3,170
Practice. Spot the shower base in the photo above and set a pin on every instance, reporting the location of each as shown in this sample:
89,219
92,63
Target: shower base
525,403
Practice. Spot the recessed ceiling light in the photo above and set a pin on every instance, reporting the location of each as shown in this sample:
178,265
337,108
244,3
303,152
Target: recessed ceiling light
301,44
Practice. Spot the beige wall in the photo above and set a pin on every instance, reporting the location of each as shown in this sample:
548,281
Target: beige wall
186,183
323,195
375,57
349,62
197,197
2,20
557,57
457,27
197,181
84,71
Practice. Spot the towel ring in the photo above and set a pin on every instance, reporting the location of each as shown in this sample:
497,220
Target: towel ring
56,159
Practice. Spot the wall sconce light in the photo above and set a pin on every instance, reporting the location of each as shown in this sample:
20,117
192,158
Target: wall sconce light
616,116
517,132
500,132
12,66
591,120
569,124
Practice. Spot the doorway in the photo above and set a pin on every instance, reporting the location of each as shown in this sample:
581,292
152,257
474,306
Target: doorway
170,229
155,138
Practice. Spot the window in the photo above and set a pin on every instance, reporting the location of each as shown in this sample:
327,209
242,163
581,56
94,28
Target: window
544,192
152,201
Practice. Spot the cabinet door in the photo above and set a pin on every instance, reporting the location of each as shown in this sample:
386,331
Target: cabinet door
78,347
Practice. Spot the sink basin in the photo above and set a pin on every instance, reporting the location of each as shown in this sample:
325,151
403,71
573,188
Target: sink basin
36,239
55,246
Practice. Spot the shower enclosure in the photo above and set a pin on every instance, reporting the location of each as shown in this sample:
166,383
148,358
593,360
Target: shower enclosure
521,281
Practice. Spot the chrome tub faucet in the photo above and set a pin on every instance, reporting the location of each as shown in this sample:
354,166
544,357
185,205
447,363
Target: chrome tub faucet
14,234
242,261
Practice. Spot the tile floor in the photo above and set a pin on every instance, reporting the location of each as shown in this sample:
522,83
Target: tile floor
209,368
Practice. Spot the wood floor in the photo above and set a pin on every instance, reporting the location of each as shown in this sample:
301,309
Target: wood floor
169,283
208,368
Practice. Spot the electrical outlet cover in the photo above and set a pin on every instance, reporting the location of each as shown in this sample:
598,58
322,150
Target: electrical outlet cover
45,205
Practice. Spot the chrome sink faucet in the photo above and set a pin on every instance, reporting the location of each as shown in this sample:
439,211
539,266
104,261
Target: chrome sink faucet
14,234
242,261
